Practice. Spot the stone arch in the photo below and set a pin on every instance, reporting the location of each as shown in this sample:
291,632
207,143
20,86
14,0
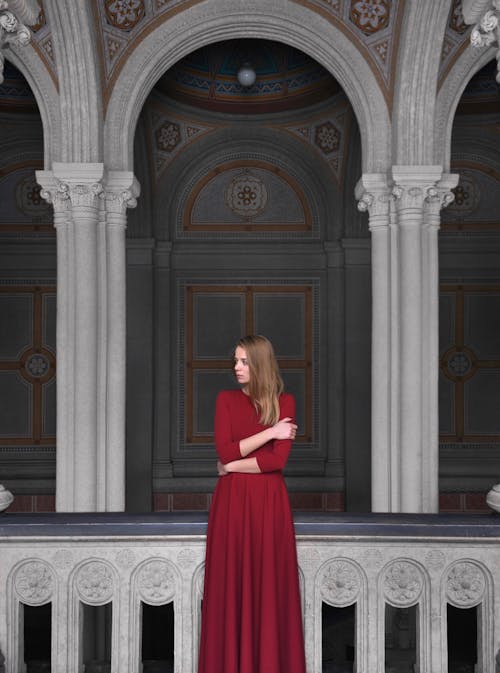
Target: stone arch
470,62
417,68
74,37
47,97
221,20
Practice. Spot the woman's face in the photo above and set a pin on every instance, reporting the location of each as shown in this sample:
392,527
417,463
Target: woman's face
241,368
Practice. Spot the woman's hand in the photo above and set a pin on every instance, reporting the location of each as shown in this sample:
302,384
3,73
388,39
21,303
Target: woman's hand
285,429
221,469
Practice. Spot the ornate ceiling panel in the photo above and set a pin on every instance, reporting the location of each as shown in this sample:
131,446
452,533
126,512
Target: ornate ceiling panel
43,43
456,40
373,26
285,78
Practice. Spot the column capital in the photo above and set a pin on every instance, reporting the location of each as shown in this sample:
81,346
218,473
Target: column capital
373,193
121,191
485,14
82,182
412,185
54,192
14,15
440,195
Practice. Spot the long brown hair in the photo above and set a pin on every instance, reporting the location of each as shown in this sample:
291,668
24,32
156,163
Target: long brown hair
265,385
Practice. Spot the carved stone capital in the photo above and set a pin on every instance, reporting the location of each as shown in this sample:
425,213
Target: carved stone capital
413,185
374,196
14,15
118,202
84,194
57,195
486,15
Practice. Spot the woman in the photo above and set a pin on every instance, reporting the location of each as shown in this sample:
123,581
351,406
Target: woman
251,616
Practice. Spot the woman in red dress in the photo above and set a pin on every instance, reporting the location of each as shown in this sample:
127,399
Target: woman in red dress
251,616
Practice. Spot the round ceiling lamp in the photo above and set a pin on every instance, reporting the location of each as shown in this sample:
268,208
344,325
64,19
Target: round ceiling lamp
246,75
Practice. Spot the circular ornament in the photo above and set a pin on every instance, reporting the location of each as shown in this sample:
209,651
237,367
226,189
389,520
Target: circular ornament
30,201
340,583
465,585
34,583
156,582
403,583
95,583
246,195
124,14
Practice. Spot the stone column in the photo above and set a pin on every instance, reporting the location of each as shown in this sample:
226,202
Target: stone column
374,196
90,223
437,197
418,199
404,220
57,193
121,192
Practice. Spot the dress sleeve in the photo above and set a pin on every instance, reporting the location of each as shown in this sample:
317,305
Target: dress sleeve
275,458
227,449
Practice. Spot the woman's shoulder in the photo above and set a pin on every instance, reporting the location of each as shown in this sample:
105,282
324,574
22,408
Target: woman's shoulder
229,394
286,399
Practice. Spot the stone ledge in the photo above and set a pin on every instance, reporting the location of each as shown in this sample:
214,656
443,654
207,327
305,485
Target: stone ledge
467,527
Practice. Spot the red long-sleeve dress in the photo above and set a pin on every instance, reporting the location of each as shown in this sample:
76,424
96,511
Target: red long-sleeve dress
251,616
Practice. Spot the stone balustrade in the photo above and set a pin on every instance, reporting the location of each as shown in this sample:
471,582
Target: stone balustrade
387,584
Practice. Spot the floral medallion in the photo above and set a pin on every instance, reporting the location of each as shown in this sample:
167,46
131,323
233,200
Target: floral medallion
124,14
370,17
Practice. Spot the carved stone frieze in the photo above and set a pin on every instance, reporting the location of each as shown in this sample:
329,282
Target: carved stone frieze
186,558
465,584
435,560
34,582
95,583
156,582
403,583
340,582
63,558
125,558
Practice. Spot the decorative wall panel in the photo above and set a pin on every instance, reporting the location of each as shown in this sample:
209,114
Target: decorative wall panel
27,365
215,317
477,195
23,210
470,363
247,196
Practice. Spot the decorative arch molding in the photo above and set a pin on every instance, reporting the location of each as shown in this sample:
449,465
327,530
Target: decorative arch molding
73,35
281,153
417,74
216,21
471,61
41,83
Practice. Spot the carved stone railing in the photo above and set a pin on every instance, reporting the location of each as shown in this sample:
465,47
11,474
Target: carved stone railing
366,561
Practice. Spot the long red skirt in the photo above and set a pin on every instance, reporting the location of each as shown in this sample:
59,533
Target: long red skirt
251,617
